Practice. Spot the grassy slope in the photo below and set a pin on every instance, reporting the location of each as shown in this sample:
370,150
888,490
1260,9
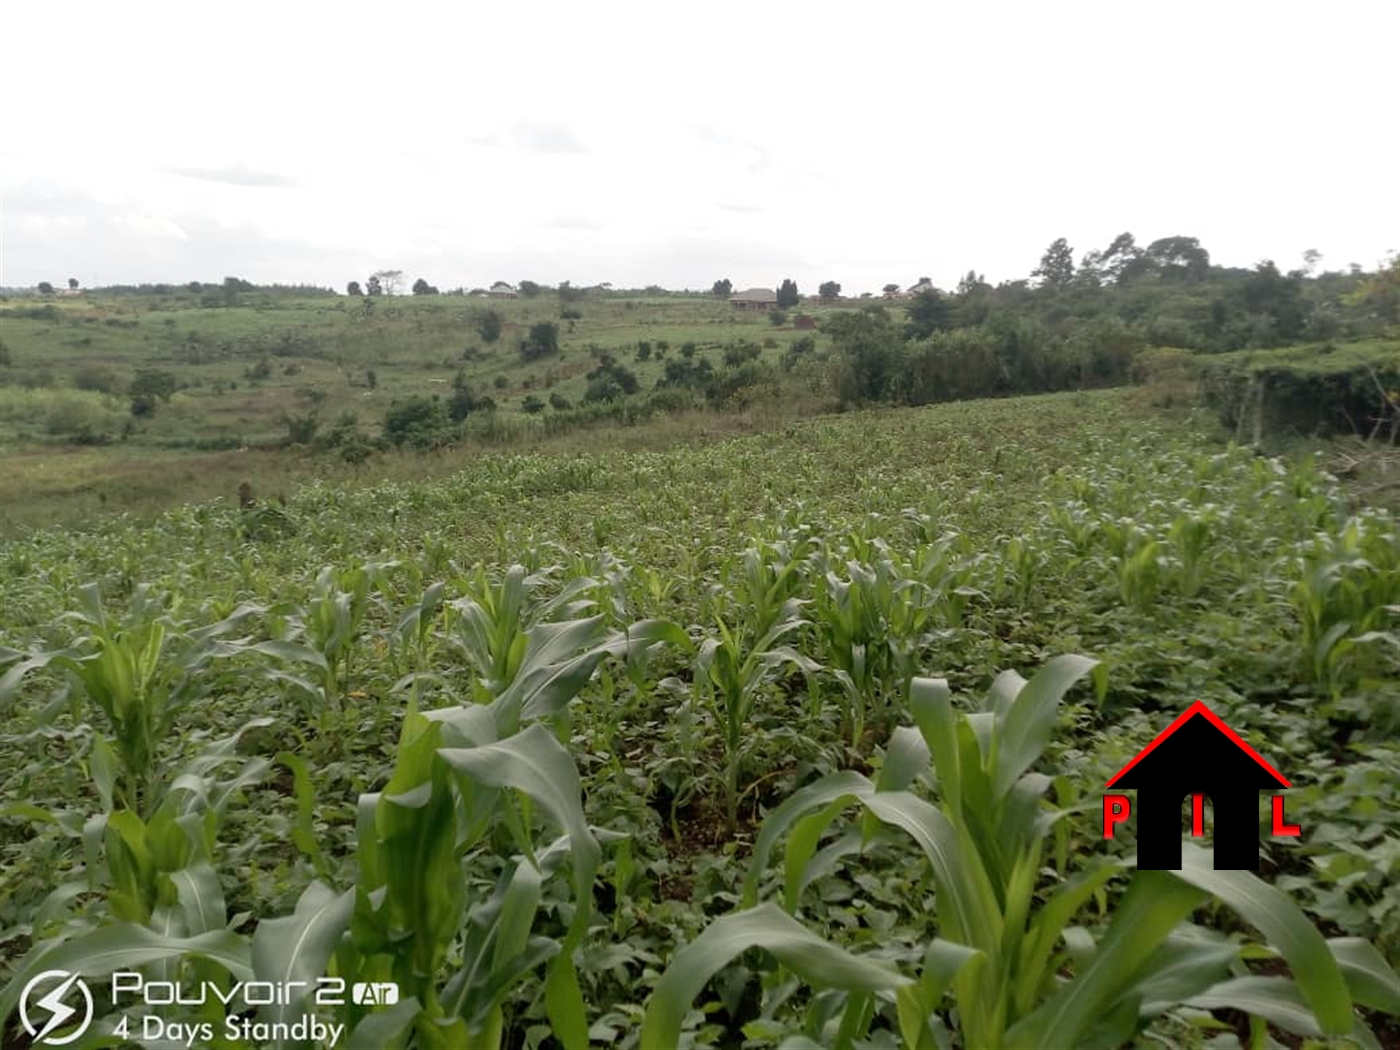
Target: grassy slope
415,345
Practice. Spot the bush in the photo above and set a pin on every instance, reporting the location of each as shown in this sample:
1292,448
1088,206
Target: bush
796,351
420,422
465,401
301,429
531,405
62,412
96,377
542,341
489,325
559,402
150,385
740,353
610,381
777,317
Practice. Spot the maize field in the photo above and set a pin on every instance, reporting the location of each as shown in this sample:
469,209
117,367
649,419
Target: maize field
791,740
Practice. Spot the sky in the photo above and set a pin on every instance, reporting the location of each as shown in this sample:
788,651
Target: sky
675,143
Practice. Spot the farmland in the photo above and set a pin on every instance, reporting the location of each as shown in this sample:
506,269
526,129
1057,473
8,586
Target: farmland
793,738
259,377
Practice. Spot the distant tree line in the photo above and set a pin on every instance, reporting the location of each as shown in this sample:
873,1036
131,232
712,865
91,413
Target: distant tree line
1070,326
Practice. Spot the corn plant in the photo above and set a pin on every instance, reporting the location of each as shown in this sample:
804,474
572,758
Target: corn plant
331,619
492,623
1347,591
161,906
732,670
871,626
530,665
139,673
1191,534
1009,966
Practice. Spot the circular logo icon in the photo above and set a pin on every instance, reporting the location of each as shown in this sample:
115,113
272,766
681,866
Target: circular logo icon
55,1006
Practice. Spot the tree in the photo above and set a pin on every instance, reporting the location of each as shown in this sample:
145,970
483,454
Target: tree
1123,260
422,287
869,353
722,288
1056,269
148,385
1311,258
1276,300
927,312
829,290
353,288
389,280
972,281
72,284
489,325
1180,257
45,288
568,293
373,287
890,290
529,289
788,294
543,341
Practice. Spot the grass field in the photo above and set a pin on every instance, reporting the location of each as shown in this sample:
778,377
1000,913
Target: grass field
649,746
243,370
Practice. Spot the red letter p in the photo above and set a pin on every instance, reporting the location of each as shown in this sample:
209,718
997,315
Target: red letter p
1116,809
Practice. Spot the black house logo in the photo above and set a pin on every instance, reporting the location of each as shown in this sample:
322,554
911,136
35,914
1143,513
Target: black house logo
1200,756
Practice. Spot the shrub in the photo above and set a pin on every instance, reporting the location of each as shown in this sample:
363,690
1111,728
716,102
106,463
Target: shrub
736,354
542,341
610,381
777,317
301,429
420,422
96,377
559,402
531,405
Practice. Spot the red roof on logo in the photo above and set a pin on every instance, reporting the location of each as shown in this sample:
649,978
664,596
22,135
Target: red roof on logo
1198,708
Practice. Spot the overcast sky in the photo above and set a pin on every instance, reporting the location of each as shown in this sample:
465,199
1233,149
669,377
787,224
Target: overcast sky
675,143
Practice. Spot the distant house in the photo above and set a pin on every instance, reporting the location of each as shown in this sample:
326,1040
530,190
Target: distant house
501,290
923,285
754,299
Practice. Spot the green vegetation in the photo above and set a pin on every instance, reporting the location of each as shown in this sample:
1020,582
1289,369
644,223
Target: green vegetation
223,371
648,748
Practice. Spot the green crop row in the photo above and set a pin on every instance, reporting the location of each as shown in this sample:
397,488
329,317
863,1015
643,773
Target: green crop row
643,749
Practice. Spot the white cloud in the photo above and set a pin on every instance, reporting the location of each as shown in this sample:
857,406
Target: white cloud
640,143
